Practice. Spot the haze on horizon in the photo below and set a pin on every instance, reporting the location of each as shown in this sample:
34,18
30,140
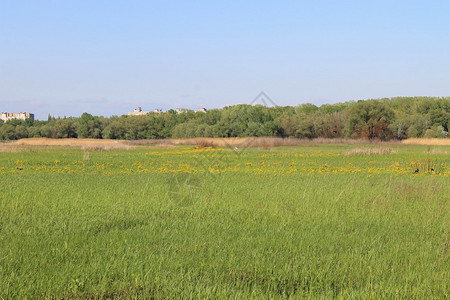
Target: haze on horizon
107,57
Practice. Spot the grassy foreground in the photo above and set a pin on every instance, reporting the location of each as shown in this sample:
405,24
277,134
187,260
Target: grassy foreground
288,222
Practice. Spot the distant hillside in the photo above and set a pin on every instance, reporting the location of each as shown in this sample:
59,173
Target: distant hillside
384,119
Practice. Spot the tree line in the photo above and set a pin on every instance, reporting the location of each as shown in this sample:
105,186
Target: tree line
384,119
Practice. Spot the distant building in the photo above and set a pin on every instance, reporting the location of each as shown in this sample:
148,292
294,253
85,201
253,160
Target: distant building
20,116
138,112
180,110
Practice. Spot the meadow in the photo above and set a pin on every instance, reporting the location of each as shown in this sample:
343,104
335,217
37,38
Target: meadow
363,221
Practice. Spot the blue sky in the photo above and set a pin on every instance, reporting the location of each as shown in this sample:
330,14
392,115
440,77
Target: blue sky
65,57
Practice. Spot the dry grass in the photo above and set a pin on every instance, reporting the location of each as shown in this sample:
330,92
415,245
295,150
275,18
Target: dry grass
436,151
31,144
265,142
7,147
205,144
370,151
35,144
85,144
65,142
423,141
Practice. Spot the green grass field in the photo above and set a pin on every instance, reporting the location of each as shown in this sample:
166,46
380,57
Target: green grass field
287,222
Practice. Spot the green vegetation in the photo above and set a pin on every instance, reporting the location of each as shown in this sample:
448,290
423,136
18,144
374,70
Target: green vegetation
214,223
384,119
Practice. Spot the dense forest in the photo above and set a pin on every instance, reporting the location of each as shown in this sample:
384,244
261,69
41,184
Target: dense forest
384,119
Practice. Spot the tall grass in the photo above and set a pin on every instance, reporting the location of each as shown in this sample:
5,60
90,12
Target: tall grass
370,151
427,141
267,142
173,235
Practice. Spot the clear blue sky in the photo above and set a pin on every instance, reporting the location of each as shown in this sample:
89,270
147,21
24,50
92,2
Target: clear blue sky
65,57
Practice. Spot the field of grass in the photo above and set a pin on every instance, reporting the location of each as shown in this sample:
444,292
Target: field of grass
319,221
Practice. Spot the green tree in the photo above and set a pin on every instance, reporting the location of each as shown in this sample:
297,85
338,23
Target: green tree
47,131
88,126
21,132
370,119
7,132
65,128
114,130
439,117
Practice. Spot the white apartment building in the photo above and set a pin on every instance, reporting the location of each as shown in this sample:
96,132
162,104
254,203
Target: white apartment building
21,116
